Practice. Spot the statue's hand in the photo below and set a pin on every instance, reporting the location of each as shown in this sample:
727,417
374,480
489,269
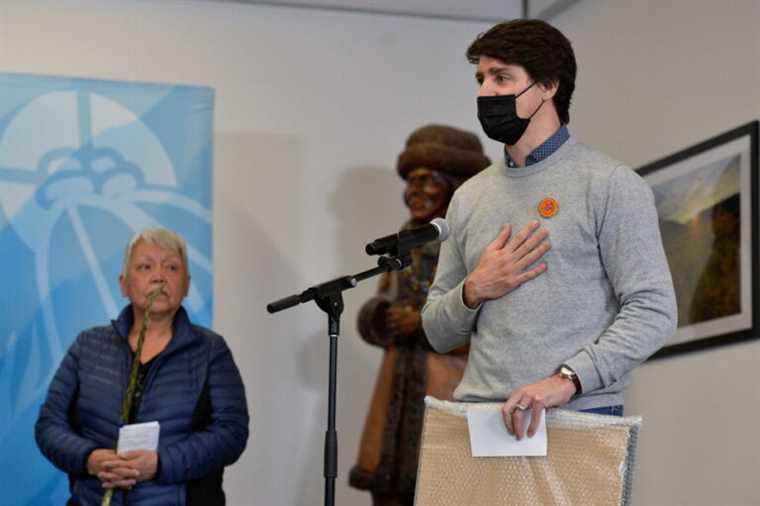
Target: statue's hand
402,319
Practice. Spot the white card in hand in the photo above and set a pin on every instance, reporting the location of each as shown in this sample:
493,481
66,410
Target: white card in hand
138,436
489,436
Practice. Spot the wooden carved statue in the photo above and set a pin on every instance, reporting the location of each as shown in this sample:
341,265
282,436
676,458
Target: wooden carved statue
436,160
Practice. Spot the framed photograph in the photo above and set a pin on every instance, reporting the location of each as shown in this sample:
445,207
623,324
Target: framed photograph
707,201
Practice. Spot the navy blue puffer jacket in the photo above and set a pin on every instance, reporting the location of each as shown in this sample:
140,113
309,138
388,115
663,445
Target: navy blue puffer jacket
82,408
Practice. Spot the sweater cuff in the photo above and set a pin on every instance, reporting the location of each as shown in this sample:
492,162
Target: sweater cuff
462,312
467,308
586,371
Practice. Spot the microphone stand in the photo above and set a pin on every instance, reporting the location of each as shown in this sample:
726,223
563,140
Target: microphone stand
329,298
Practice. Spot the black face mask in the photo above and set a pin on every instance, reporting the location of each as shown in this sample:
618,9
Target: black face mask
499,119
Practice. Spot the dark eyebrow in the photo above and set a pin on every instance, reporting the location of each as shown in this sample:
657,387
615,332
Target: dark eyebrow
492,72
497,70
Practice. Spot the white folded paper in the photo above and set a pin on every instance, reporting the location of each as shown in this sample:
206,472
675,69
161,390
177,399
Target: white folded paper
138,436
489,436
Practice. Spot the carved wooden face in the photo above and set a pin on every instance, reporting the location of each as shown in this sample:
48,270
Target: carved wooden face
427,194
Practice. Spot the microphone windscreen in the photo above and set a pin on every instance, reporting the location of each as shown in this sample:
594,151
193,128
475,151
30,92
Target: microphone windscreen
443,228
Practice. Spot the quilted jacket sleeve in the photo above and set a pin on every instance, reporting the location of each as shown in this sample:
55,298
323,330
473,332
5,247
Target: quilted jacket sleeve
222,442
55,436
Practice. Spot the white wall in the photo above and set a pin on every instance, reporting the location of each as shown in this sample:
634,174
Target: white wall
654,78
312,108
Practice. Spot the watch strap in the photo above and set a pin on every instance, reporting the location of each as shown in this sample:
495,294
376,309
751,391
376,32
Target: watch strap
568,373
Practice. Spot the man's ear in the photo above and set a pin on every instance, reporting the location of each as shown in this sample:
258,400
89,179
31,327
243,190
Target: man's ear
549,90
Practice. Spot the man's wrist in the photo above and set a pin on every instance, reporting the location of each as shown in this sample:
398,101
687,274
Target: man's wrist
468,295
567,385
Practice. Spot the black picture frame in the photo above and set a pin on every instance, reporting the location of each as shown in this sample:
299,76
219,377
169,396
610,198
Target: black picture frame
707,201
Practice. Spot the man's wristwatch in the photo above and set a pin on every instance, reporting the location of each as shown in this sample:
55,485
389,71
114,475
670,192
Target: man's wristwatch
567,373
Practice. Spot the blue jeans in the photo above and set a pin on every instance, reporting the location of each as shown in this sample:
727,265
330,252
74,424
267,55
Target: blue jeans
606,410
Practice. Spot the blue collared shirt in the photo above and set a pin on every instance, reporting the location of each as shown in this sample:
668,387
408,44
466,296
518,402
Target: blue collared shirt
545,150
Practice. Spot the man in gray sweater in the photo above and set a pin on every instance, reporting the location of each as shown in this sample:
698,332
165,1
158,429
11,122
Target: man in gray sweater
554,271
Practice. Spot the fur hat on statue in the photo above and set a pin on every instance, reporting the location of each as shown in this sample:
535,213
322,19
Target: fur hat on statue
453,152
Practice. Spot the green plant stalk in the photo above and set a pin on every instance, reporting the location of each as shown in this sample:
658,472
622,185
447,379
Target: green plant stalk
126,404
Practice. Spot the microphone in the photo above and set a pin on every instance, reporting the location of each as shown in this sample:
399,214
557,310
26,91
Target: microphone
399,244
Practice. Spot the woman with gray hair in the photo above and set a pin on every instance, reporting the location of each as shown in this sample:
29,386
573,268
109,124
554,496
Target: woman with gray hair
184,377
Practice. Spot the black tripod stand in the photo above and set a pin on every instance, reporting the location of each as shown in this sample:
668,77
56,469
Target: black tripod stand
329,298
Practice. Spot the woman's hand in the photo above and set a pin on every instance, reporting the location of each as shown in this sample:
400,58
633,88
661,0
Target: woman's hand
145,462
112,470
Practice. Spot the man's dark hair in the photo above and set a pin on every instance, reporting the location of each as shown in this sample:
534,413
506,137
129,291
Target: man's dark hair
542,50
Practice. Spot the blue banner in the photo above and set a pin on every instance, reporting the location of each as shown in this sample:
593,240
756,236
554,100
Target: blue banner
84,164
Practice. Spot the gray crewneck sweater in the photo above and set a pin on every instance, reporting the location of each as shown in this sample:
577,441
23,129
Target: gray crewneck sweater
605,303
